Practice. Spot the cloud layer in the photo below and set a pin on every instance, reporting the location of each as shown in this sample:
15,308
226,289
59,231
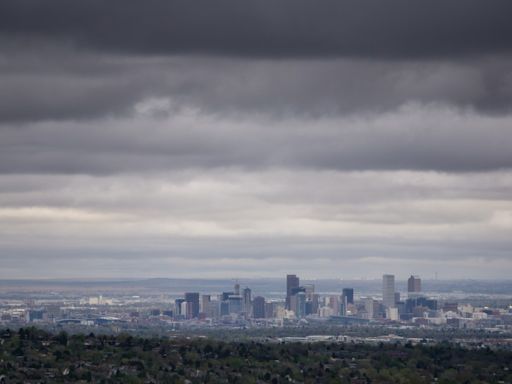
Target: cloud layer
332,139
268,28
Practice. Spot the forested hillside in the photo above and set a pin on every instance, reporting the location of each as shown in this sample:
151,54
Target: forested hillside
34,356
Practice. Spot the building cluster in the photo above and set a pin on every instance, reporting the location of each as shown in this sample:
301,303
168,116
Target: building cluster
235,304
299,304
302,303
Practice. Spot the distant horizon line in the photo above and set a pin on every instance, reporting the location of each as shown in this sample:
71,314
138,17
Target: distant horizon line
121,279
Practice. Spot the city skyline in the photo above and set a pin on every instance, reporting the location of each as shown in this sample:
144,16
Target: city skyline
296,304
198,139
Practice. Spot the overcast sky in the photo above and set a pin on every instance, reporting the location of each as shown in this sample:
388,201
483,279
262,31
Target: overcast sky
230,138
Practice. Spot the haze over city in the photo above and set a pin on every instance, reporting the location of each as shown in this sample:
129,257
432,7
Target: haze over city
255,139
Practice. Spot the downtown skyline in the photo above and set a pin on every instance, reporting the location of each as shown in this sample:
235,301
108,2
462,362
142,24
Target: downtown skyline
347,141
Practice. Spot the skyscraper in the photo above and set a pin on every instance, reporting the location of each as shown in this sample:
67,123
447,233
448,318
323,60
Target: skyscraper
177,309
212,311
235,304
246,302
369,306
224,308
192,300
334,304
301,305
348,295
388,291
315,298
224,302
269,309
205,300
413,284
292,282
347,298
258,307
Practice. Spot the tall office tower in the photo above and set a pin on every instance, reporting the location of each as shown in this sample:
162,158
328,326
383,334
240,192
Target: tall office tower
315,299
269,309
293,303
247,300
224,308
334,304
388,291
292,281
177,304
348,295
235,304
183,309
369,306
192,300
237,289
205,300
414,284
213,309
301,305
258,307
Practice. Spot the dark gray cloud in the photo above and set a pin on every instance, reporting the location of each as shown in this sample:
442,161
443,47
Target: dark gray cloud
79,60
268,28
59,84
415,137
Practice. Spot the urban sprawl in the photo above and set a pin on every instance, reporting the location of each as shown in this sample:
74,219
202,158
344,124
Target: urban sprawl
300,305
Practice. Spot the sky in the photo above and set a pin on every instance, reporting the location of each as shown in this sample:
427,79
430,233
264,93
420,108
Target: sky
331,139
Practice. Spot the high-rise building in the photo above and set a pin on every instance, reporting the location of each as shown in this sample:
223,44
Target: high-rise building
224,303
413,284
212,311
300,306
388,291
258,307
347,298
247,301
224,308
269,309
292,282
315,299
235,304
177,309
192,300
205,299
334,303
348,295
369,306
237,289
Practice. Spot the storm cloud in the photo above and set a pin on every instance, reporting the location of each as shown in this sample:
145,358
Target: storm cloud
268,28
256,138
414,137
